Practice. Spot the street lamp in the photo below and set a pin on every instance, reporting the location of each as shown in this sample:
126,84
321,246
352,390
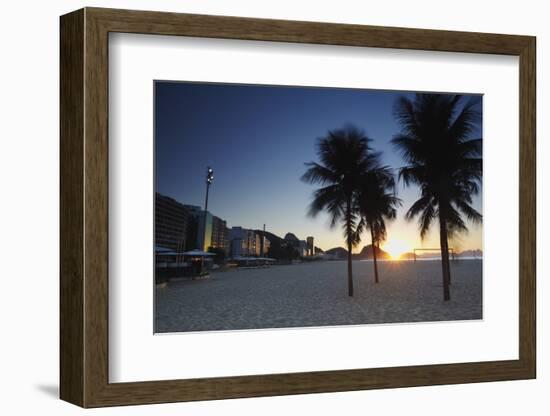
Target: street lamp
209,175
209,180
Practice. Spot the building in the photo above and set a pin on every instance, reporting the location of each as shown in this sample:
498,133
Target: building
254,243
265,245
310,246
217,233
220,235
204,230
244,242
181,227
302,248
173,223
195,210
237,241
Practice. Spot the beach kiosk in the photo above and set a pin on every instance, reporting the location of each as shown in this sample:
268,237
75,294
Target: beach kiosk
199,260
170,264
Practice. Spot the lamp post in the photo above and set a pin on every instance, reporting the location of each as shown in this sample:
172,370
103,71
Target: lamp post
209,180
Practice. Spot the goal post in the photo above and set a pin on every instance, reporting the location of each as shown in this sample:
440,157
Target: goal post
450,250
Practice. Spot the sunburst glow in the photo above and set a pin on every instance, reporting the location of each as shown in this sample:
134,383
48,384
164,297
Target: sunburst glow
396,247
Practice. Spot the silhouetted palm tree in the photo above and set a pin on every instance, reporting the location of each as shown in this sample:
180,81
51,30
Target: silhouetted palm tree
443,161
344,155
376,203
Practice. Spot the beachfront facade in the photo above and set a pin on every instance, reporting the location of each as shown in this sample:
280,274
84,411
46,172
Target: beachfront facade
310,246
265,246
244,242
302,248
220,235
181,227
173,224
212,233
204,231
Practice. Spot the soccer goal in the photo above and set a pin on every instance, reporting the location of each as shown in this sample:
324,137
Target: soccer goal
432,250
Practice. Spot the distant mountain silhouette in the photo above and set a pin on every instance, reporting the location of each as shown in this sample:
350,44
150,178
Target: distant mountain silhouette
270,236
366,254
291,237
339,252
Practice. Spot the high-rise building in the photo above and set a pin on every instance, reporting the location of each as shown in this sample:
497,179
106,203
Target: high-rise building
310,246
217,233
204,230
220,234
244,242
181,227
195,210
172,223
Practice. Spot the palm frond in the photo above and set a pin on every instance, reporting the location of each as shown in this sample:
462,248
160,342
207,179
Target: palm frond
412,174
470,212
317,173
467,120
426,217
441,157
343,155
330,198
418,207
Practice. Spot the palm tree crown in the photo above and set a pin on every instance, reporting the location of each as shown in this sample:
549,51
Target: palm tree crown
442,160
377,202
344,155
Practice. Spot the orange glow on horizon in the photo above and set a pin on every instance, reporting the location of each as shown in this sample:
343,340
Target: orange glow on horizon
396,248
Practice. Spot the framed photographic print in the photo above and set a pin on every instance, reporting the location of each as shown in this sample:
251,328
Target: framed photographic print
260,207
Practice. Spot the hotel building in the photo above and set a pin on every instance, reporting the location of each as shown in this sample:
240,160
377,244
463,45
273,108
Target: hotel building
245,242
173,224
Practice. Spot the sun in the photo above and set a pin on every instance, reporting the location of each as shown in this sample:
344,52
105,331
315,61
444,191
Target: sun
396,247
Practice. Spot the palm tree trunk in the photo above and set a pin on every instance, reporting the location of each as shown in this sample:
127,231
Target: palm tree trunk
374,256
350,277
349,238
444,257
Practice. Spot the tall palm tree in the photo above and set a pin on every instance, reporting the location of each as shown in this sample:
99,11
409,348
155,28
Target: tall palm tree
444,161
376,203
343,156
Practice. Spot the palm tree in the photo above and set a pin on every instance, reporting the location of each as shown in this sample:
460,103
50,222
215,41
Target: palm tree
343,157
443,160
376,203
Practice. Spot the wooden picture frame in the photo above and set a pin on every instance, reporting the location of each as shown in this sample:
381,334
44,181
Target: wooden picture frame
84,207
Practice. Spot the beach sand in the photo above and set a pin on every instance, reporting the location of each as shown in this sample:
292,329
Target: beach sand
315,294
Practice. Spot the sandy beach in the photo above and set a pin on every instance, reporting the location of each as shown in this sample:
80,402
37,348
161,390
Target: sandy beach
315,294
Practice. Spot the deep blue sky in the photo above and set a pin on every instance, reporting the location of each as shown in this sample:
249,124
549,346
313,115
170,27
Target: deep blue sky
257,139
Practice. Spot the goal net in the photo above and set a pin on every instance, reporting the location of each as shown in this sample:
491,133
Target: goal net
431,253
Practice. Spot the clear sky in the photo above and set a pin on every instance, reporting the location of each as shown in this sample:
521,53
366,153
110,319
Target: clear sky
257,139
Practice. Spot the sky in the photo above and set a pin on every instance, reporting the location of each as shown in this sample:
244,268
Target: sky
257,139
